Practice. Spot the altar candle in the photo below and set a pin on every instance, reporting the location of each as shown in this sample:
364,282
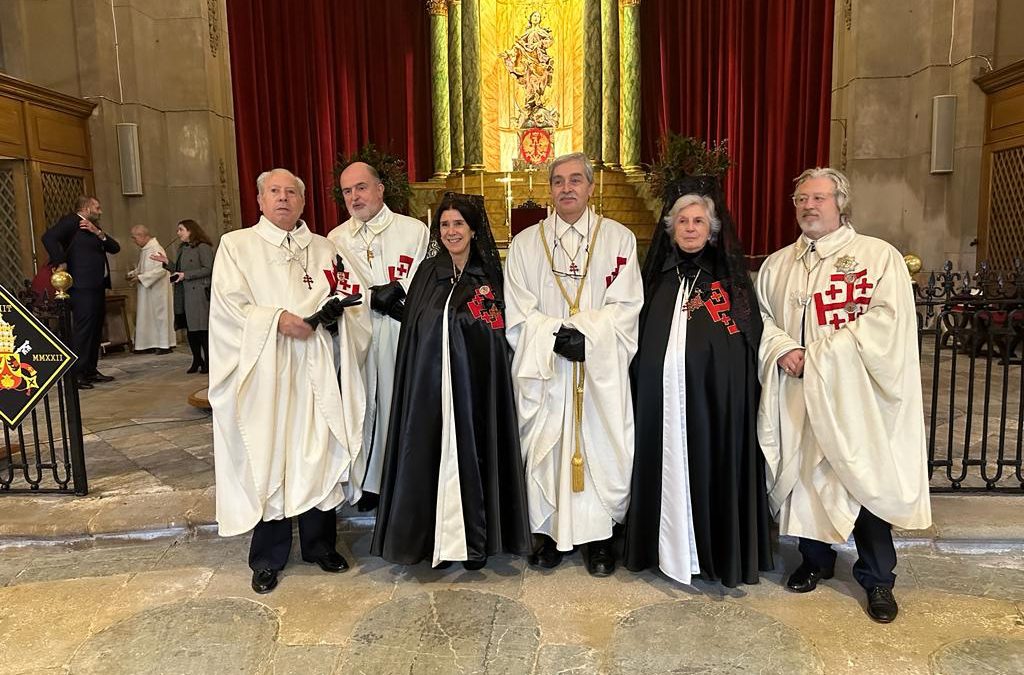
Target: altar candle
463,182
428,217
481,183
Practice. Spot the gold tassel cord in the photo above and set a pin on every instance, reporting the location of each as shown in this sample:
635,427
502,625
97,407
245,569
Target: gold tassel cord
578,374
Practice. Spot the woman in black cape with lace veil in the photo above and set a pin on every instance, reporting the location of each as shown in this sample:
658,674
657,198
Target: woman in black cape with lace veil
453,486
698,497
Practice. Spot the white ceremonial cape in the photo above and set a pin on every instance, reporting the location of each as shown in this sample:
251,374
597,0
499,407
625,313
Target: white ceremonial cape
608,318
398,244
286,436
154,301
850,433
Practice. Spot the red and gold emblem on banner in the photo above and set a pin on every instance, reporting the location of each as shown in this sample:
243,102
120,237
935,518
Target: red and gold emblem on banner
535,146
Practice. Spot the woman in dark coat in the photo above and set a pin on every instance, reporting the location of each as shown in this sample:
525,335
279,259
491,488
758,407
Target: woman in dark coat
698,501
190,274
453,486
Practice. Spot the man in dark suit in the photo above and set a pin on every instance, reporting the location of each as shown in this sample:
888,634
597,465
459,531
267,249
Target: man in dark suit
77,244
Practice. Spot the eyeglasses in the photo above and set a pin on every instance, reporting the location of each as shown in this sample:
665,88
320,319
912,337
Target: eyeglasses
815,199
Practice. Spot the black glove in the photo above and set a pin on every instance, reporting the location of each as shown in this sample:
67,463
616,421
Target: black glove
332,310
385,297
397,311
570,344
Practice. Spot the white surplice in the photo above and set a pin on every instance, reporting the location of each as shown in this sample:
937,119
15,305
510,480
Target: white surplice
398,244
449,523
608,318
287,435
851,432
154,301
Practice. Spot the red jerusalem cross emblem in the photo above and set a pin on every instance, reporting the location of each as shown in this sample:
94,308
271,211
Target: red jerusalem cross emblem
487,312
718,304
847,297
339,281
620,262
401,270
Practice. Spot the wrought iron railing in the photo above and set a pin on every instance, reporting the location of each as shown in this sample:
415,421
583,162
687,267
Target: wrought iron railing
45,453
971,337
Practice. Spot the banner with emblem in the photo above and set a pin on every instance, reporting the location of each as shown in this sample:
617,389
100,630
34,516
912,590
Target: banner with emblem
32,359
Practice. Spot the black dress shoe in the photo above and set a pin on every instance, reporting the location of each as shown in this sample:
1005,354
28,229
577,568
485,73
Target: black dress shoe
473,565
194,368
547,556
100,377
332,561
161,350
84,383
805,579
368,502
601,559
882,605
443,565
264,581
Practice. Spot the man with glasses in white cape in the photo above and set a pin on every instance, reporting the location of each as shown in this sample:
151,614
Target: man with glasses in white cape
573,297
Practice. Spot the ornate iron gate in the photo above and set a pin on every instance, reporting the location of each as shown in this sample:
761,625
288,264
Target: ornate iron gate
971,336
45,451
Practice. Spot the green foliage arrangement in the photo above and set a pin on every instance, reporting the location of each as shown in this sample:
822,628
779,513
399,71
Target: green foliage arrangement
680,156
393,174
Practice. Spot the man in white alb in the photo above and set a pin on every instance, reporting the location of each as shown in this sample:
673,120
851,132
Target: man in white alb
287,416
573,295
154,299
841,420
384,249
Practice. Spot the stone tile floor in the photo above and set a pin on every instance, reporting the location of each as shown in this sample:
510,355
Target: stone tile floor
131,579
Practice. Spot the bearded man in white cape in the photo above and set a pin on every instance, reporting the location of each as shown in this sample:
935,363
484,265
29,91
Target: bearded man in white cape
384,249
154,299
841,419
287,412
573,296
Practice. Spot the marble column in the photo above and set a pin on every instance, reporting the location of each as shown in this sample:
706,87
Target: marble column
592,86
472,115
439,86
610,82
455,83
630,150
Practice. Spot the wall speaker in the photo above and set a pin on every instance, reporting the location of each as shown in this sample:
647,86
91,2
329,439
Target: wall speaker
943,130
128,152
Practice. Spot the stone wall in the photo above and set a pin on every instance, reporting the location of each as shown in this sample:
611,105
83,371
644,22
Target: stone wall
162,64
891,58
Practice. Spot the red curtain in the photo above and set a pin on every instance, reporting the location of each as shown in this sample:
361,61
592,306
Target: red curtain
315,78
757,73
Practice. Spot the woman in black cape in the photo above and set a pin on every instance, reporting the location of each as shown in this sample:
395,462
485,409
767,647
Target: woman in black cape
453,486
698,499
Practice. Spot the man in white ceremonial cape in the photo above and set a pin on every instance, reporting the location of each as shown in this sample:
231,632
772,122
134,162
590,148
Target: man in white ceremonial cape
841,419
384,249
287,413
573,296
154,297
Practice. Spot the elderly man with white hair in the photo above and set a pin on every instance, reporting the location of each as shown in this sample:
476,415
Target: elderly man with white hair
841,419
154,299
287,398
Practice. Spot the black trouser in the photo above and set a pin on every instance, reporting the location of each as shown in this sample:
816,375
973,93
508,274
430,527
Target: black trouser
199,343
272,539
876,553
88,306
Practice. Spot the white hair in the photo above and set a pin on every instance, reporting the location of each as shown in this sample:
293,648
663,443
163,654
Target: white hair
839,180
588,166
708,203
141,229
262,178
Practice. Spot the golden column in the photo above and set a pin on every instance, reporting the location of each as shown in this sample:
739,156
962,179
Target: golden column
610,82
592,86
439,86
630,150
455,83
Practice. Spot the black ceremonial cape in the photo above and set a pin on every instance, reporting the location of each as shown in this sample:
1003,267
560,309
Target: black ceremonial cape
490,461
727,480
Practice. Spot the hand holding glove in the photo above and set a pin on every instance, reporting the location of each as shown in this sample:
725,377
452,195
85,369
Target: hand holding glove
332,310
570,344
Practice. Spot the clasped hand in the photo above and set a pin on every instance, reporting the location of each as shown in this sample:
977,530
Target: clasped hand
792,363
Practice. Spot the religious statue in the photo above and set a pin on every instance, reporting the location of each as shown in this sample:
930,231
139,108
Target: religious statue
533,67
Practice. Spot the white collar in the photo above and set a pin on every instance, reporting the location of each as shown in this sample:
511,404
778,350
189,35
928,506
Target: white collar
274,235
377,224
583,226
